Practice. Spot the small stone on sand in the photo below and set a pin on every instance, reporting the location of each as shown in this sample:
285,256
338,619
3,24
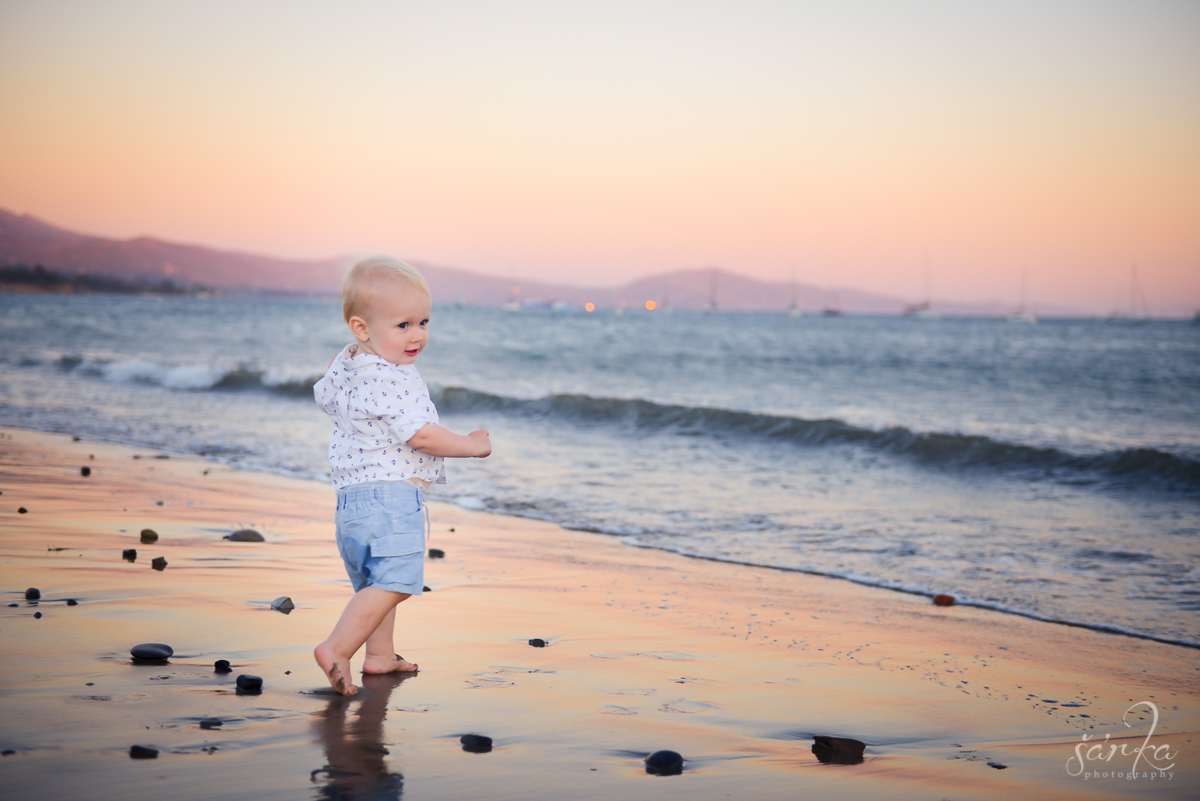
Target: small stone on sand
8,752
211,723
222,666
158,503
664,763
129,554
250,684
245,535
437,553
14,604
142,752
76,439
149,535
838,750
538,642
942,599
283,604
158,563
21,510
85,471
72,602
996,765
426,589
152,651
476,743
452,529
37,615
32,594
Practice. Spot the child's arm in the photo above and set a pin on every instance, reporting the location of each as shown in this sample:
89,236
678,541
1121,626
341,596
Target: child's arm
440,441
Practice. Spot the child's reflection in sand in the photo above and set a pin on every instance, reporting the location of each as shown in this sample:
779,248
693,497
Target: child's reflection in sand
355,764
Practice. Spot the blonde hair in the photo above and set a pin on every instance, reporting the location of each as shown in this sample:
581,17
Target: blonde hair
359,279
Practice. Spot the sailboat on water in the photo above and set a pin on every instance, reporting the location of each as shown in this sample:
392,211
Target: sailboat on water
1139,310
793,309
922,310
1024,314
711,306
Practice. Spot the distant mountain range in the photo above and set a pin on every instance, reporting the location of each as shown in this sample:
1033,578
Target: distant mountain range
27,241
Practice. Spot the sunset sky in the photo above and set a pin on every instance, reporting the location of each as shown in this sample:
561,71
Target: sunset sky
595,142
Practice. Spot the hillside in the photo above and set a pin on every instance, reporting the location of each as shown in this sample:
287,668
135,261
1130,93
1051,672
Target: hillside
27,241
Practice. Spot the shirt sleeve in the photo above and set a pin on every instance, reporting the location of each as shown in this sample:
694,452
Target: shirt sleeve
402,405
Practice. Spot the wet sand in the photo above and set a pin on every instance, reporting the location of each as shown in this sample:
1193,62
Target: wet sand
736,668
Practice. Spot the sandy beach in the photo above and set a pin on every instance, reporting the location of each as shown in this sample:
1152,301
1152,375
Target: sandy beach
736,668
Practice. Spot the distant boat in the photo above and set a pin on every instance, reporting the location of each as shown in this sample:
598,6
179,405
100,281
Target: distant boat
711,307
1139,310
1023,314
834,310
511,306
922,310
793,309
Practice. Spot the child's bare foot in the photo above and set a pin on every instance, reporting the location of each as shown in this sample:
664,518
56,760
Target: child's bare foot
396,664
336,670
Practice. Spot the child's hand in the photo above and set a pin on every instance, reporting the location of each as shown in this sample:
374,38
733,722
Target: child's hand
483,441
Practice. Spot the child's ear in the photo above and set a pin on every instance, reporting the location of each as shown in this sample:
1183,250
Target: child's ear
358,327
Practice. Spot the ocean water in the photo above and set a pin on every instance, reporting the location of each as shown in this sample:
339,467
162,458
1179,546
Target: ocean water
1050,470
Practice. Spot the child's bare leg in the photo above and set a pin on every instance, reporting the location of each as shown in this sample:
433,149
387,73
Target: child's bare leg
381,651
361,618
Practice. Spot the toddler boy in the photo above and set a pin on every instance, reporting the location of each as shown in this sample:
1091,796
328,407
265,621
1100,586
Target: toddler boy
386,449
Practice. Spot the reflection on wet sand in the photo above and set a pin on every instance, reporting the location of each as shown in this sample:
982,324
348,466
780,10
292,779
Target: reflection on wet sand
355,764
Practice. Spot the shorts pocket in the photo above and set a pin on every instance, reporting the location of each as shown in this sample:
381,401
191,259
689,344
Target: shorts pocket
398,544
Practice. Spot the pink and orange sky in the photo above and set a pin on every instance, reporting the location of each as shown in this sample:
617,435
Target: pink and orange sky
596,142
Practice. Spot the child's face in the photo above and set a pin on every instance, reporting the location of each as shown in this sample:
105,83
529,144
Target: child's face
394,325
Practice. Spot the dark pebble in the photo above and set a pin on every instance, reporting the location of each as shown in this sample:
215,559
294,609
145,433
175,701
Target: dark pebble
32,594
149,535
996,765
76,439
426,589
245,535
664,763
129,554
142,752
14,604
211,723
838,750
37,615
7,752
72,602
158,563
476,743
283,604
452,529
222,666
152,651
249,683
160,503
437,553
538,642
942,599
21,510
85,471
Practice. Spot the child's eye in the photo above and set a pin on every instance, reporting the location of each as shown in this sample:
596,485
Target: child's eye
403,325
424,323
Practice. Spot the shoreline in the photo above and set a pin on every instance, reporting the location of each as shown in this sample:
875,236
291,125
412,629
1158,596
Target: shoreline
626,540
736,667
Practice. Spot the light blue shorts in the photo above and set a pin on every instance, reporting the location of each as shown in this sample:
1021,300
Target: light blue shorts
381,535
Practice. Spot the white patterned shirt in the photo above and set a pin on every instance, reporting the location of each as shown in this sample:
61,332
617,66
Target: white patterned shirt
376,408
